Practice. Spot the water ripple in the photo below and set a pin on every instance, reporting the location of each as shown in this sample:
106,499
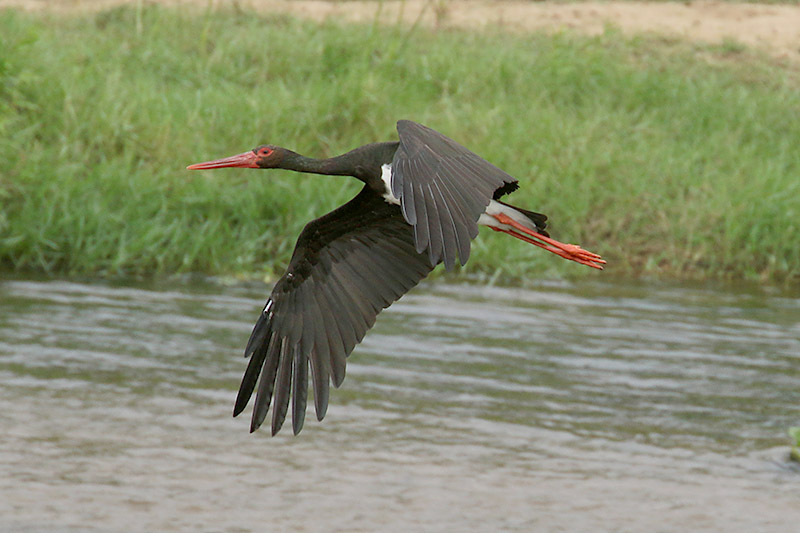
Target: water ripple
466,408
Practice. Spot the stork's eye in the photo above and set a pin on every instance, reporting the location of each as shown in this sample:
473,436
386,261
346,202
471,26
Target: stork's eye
264,151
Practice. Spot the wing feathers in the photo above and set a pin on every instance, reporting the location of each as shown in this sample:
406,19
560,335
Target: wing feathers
409,206
299,392
355,261
336,352
282,387
320,378
460,221
447,225
250,378
266,384
443,189
260,331
320,360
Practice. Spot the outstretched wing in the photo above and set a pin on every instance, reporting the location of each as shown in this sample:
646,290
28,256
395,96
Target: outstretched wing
347,266
443,189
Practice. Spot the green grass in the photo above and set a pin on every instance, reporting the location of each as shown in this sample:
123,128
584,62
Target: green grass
794,451
669,160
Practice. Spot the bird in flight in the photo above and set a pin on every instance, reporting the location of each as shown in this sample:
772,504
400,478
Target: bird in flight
424,197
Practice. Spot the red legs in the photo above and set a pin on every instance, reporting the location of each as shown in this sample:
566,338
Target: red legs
573,252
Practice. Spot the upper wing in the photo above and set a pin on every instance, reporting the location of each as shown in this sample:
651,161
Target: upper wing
443,189
347,266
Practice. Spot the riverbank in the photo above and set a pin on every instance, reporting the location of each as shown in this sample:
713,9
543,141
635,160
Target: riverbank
771,26
672,159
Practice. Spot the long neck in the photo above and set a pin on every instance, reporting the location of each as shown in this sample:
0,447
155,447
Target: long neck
363,163
333,166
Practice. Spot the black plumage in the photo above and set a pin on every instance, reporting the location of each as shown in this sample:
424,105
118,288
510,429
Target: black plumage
443,189
352,263
347,267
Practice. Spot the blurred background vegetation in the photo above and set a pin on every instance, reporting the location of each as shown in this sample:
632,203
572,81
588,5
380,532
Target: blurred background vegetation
670,159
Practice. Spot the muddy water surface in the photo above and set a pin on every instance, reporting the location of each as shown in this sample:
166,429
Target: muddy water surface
567,407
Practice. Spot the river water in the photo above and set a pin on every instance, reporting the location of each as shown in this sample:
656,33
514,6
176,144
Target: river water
566,407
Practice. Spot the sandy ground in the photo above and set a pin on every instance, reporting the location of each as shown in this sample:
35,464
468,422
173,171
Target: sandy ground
773,28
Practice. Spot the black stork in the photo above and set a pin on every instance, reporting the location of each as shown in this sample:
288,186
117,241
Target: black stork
423,199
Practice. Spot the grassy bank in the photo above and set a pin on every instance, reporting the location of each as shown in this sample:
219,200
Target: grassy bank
667,159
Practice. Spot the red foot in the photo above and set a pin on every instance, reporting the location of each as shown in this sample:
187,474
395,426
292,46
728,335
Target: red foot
573,252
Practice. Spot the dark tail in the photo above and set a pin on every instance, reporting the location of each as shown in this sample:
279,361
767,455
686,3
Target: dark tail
538,219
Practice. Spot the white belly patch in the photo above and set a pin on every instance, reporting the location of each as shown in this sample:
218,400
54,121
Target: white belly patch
386,176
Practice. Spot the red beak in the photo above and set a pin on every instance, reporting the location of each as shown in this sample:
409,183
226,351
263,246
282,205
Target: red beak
245,160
